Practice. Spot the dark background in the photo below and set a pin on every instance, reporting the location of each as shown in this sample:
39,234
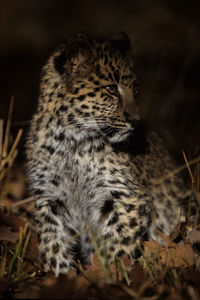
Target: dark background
165,39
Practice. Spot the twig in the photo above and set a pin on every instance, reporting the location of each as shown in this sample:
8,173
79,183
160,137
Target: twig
189,169
21,202
14,145
8,125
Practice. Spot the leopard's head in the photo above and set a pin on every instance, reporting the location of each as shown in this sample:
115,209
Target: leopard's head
101,86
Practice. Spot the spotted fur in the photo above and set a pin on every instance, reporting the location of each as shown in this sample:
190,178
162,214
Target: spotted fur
91,163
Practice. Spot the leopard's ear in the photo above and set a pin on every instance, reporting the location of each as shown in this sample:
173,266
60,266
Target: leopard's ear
60,61
79,56
121,41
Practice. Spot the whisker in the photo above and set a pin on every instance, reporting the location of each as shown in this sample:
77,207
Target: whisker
95,121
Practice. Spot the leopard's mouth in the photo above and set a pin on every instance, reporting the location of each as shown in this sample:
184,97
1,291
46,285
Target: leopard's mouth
120,128
115,134
131,139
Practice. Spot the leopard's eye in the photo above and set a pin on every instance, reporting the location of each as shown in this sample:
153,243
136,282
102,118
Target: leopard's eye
125,82
112,89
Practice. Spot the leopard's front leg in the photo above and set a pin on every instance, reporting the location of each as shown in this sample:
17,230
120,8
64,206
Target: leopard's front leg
55,241
125,227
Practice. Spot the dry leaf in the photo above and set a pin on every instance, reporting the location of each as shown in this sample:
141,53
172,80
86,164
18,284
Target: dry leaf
12,220
27,290
64,286
6,202
80,285
49,280
178,256
94,272
193,236
115,290
7,235
181,255
137,277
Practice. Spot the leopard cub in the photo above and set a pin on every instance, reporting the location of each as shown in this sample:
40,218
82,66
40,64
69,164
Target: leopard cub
93,167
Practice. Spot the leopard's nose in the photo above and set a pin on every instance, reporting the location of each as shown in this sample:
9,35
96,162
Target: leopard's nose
132,121
132,112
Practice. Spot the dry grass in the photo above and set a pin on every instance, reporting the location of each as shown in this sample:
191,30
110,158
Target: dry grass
11,261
